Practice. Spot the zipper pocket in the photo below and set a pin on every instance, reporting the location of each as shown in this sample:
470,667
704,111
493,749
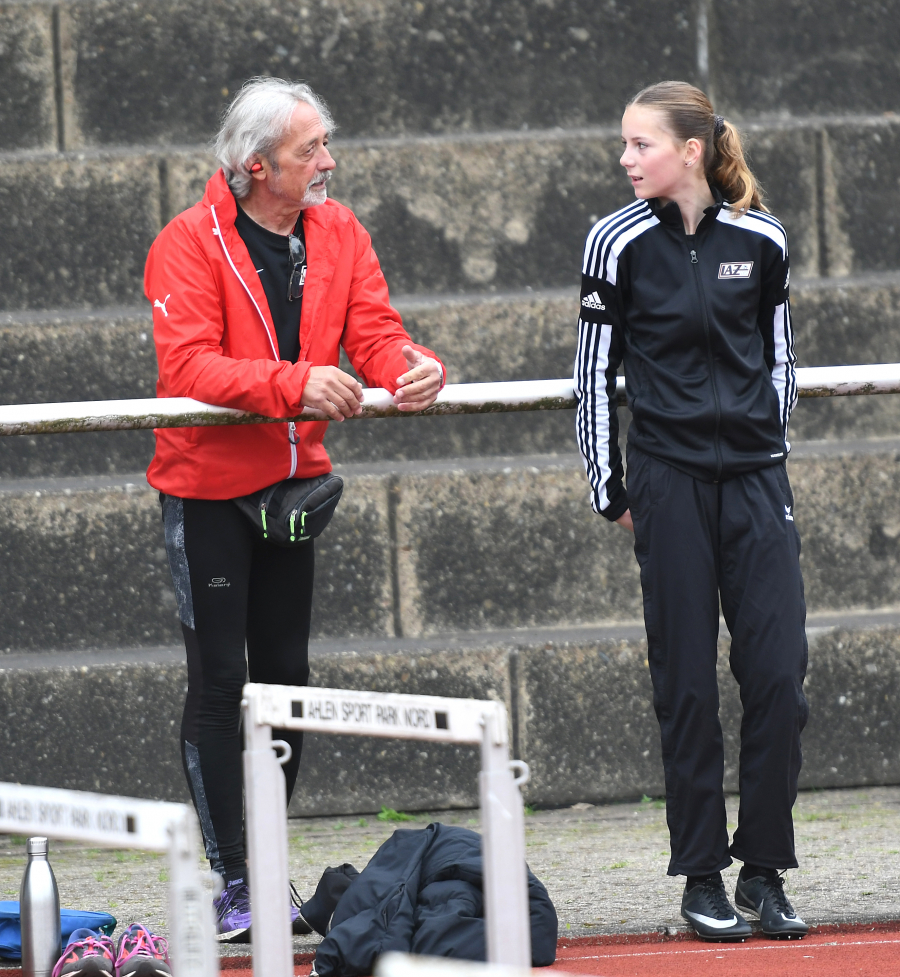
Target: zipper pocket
293,519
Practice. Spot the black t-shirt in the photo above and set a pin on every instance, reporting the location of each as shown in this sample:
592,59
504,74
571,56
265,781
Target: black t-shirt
271,258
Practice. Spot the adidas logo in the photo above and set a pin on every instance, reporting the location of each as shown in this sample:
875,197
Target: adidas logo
592,301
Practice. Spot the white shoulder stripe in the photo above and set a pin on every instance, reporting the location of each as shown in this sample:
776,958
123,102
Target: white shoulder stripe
606,229
759,224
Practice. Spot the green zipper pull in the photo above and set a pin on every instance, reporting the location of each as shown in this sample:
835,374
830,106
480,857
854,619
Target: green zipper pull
293,516
262,512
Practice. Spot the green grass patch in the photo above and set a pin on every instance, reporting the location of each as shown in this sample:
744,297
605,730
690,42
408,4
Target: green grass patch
389,814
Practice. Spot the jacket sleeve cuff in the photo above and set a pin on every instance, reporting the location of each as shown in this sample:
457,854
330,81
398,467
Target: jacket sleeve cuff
618,505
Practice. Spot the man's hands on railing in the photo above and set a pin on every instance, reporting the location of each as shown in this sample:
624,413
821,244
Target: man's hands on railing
419,386
338,395
333,392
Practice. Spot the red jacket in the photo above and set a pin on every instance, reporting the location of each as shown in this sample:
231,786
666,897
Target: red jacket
215,342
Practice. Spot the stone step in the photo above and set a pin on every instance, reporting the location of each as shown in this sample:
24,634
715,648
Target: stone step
66,355
424,548
482,212
579,701
125,71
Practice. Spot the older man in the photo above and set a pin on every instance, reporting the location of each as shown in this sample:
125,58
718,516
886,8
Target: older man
254,291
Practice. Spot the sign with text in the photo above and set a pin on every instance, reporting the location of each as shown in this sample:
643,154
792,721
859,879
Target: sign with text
80,816
384,714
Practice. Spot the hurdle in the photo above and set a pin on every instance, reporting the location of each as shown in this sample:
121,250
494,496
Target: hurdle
394,716
125,822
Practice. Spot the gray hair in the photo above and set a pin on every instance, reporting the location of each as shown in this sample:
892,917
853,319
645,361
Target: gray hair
256,123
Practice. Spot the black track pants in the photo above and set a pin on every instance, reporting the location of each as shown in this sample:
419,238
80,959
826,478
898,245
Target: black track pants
234,590
696,542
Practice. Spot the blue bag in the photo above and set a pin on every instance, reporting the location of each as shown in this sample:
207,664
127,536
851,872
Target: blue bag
70,920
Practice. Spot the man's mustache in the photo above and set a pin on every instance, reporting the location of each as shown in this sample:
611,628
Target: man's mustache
320,180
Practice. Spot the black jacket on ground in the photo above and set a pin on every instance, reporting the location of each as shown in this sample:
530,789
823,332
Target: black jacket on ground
422,893
703,325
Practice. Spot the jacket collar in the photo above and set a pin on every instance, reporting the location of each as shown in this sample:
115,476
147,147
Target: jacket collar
322,248
670,214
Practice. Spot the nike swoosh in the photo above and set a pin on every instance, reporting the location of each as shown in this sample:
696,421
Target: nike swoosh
716,924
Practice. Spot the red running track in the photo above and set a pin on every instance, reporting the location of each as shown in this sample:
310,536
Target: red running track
866,950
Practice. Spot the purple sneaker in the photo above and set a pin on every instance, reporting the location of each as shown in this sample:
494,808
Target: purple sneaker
233,913
88,952
141,954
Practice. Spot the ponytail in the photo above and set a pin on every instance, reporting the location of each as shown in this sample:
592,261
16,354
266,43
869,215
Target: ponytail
731,174
688,114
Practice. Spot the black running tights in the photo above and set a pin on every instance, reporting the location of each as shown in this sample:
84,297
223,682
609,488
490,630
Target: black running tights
235,592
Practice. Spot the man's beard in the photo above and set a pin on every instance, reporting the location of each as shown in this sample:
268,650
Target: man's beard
317,192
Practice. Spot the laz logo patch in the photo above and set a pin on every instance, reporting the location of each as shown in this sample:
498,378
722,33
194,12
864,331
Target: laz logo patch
735,269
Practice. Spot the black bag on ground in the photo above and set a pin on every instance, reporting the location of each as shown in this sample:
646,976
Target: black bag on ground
421,893
293,511
333,884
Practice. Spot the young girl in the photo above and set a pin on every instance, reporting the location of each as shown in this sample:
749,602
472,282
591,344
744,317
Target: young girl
689,286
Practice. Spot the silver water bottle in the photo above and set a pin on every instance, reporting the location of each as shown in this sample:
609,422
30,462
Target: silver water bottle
39,911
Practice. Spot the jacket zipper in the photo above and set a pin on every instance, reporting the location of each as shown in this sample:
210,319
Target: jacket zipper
695,264
292,427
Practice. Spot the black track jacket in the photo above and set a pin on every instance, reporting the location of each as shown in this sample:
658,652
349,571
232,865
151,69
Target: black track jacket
703,324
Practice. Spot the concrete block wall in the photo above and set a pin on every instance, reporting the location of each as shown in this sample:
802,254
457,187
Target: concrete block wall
478,142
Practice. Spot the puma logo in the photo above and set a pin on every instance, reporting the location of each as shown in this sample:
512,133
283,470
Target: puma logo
162,305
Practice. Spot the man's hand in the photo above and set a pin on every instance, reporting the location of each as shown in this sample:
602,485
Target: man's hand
333,392
625,520
418,388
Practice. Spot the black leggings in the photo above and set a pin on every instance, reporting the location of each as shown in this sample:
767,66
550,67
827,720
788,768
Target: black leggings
232,588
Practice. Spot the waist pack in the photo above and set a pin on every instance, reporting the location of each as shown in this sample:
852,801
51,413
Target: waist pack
293,511
70,920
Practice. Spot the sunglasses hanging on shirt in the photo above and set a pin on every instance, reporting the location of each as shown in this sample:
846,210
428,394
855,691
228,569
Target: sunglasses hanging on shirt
298,262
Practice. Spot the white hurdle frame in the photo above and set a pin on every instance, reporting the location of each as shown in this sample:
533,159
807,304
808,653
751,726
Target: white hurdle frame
394,716
125,822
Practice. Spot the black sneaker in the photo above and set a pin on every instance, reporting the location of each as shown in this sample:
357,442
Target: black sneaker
763,897
707,909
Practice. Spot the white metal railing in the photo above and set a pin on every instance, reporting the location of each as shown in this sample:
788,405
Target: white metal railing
397,716
455,398
126,822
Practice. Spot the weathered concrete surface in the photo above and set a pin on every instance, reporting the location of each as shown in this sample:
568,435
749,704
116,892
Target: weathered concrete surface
463,214
852,320
848,515
579,702
514,547
603,866
356,774
112,729
76,231
52,358
115,729
162,71
480,544
867,199
588,731
512,210
27,109
804,56
483,547
86,567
